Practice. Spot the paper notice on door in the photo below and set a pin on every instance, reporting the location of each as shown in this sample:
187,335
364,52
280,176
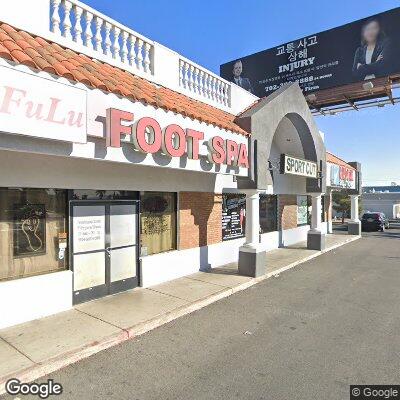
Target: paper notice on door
89,228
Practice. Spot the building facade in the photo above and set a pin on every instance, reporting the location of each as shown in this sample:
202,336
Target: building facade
384,199
125,164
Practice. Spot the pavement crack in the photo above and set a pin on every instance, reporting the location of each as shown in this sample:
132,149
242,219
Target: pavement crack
19,351
102,320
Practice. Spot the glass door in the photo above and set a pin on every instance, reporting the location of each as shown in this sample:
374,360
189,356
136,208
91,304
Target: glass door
123,246
104,253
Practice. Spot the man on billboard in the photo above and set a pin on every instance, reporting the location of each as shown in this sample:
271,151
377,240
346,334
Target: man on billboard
372,58
238,79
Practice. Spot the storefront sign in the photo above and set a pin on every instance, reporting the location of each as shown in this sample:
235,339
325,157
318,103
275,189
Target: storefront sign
317,62
233,216
35,106
149,137
298,166
341,176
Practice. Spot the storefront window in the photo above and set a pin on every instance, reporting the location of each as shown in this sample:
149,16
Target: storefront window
158,222
268,213
33,232
302,210
233,216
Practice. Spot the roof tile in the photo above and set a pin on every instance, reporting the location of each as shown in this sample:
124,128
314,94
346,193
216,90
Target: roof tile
36,52
11,45
43,65
14,35
62,71
7,28
23,44
22,58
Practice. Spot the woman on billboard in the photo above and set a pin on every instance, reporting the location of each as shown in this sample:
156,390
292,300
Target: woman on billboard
372,58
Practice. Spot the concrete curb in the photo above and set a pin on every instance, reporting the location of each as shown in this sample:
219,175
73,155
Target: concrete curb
40,369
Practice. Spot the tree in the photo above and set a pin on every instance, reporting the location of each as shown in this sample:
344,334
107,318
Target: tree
342,203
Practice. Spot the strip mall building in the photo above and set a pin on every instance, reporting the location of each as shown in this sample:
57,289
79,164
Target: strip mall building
124,164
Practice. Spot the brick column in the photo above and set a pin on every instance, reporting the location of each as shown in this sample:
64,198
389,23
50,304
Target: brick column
200,219
287,211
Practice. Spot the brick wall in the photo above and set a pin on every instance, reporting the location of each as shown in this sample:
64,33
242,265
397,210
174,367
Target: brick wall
287,211
200,219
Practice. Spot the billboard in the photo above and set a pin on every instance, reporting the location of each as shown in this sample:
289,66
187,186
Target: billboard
363,50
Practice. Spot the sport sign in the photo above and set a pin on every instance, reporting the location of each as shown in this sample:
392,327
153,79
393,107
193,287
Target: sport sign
297,166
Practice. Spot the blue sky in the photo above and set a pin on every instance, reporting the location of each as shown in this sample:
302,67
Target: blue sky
213,32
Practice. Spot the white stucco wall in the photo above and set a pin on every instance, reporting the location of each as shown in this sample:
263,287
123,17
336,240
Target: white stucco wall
385,202
284,183
34,170
163,267
34,297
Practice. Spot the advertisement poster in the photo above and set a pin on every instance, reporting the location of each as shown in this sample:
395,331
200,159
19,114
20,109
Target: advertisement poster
302,210
29,230
358,51
233,216
341,176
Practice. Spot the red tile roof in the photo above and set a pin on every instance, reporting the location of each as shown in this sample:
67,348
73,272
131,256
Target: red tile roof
35,52
336,160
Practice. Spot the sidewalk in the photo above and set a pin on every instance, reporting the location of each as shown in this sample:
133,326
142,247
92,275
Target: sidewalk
33,349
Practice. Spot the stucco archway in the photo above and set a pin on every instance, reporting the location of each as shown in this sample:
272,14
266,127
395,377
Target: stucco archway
279,124
292,136
282,122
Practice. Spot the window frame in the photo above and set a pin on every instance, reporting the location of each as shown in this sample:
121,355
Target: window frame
241,195
275,197
176,213
67,265
297,210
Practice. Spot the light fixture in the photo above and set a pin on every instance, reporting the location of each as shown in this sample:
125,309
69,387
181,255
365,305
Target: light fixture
368,86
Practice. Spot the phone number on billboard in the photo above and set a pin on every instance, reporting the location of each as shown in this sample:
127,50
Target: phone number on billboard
271,88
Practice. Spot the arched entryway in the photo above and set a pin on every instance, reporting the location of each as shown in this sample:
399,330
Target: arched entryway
281,124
